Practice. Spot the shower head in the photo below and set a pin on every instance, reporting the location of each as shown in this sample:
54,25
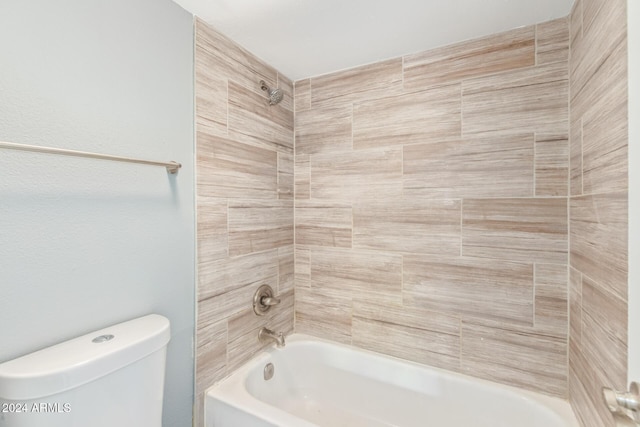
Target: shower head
275,95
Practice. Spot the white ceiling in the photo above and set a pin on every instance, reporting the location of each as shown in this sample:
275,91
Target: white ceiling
305,38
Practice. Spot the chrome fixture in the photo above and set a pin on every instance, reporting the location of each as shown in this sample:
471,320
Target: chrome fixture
275,95
268,371
624,404
267,335
263,300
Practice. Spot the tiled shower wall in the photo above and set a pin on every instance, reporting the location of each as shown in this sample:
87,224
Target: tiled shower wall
431,208
244,151
598,206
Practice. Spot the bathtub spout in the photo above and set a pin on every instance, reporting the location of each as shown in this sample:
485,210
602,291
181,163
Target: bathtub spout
267,335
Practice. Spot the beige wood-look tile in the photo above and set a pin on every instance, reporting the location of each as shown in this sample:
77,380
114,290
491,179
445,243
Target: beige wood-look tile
411,317
302,95
520,357
430,115
243,338
302,177
285,176
230,60
212,230
211,354
530,230
286,85
286,269
470,288
320,224
529,100
575,307
302,267
484,167
323,314
604,29
228,304
433,340
591,9
551,299
487,55
256,226
211,95
601,104
253,120
552,164
576,158
377,80
604,88
585,393
605,142
604,333
198,410
244,328
575,24
323,130
230,169
552,41
415,226
599,240
224,275
603,342
366,174
359,275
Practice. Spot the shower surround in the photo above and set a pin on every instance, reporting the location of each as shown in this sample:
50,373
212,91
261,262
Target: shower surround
431,207
437,214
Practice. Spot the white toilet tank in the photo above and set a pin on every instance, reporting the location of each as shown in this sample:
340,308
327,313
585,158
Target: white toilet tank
113,377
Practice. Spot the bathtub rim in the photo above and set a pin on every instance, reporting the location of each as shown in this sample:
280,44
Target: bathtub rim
233,387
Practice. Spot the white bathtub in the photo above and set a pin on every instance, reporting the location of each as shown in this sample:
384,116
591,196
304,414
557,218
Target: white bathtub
320,383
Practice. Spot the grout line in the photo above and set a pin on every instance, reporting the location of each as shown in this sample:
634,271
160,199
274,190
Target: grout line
569,193
293,196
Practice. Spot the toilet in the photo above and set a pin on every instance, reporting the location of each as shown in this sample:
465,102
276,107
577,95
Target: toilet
111,377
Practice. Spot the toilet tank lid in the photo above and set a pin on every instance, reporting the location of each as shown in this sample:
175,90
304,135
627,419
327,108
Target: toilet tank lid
80,360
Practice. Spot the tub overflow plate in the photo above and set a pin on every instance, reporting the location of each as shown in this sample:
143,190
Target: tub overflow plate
268,371
102,338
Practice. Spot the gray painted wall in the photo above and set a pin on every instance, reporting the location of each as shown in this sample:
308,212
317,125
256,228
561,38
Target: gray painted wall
87,243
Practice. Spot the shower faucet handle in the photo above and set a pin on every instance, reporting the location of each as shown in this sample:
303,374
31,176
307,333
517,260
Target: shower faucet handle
264,299
270,301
